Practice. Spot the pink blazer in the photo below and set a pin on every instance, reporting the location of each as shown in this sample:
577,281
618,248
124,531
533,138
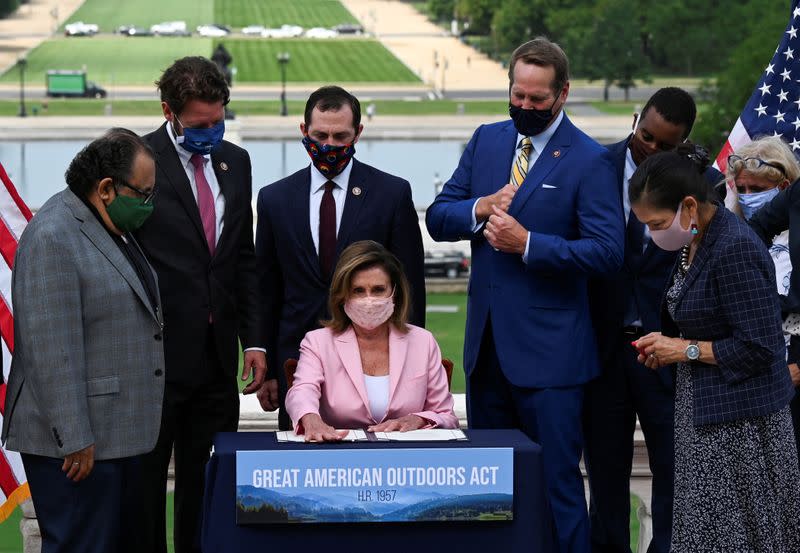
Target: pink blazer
329,380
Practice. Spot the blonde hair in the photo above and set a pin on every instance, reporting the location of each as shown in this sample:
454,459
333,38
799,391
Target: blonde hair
771,149
360,256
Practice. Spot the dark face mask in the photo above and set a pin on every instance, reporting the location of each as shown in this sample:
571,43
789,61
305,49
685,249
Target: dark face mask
329,160
530,122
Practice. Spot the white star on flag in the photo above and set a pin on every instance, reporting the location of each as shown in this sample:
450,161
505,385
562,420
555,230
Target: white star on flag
770,69
779,117
786,74
796,123
783,96
795,144
765,89
792,32
762,110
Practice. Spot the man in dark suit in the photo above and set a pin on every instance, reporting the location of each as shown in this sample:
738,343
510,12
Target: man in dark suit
538,199
306,219
626,306
200,241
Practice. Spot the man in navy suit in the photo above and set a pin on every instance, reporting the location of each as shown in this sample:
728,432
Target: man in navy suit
625,307
306,219
538,199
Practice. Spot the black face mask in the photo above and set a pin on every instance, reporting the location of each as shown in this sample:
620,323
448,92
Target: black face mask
530,122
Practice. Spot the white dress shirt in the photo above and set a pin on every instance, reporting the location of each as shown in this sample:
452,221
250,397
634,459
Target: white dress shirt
317,189
538,143
208,170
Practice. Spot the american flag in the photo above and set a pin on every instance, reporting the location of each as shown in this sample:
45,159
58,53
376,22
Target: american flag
774,107
14,216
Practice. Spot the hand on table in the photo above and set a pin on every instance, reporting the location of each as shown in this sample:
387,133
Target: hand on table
403,424
315,429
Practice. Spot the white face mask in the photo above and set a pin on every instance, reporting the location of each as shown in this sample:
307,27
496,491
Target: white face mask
369,313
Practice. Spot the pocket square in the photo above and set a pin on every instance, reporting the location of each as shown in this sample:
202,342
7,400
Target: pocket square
548,186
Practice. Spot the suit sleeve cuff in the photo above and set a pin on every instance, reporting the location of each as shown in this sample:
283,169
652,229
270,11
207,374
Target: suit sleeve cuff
527,249
475,224
262,350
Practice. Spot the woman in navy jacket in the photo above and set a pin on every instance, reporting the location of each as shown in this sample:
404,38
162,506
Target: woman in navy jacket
737,482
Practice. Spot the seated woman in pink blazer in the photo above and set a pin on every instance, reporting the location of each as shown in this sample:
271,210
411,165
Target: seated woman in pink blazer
367,367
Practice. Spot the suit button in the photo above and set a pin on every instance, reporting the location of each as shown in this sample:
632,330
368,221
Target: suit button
159,372
157,337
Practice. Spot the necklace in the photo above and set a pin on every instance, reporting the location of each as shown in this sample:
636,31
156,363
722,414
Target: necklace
684,264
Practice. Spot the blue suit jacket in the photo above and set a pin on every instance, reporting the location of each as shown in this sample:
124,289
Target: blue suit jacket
295,292
539,310
729,298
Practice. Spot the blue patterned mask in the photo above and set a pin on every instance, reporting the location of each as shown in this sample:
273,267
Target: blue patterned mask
201,141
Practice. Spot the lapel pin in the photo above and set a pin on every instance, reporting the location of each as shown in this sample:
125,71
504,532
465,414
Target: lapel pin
556,153
356,191
223,166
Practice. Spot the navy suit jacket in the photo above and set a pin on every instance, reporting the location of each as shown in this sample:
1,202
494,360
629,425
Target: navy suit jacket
295,292
729,298
539,310
645,278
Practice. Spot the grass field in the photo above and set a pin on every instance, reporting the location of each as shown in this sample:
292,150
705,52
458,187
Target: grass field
139,61
448,328
81,107
110,14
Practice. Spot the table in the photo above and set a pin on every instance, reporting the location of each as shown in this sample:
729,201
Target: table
530,531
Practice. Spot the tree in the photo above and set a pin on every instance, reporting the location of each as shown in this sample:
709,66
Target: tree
604,42
724,97
441,10
518,21
477,13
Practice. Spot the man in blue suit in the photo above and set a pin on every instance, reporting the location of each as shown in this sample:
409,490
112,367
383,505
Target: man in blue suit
538,199
626,306
306,219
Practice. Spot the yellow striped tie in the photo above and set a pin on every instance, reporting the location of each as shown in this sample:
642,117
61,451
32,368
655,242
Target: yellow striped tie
521,163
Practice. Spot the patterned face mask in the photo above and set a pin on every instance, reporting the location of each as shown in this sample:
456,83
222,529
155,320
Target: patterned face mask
329,160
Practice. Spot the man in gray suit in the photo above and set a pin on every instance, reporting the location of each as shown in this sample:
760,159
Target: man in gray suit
87,379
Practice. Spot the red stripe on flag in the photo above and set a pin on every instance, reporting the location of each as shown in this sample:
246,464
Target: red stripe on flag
722,158
14,195
8,245
8,482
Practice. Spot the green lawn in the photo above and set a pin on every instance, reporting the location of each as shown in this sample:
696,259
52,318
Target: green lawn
83,107
139,61
617,108
448,328
317,61
110,60
110,14
274,13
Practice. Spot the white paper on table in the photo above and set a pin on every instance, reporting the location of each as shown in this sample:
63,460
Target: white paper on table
424,435
290,436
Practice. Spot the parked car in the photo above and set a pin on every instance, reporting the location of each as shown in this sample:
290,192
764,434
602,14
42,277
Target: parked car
133,30
72,84
450,264
320,32
349,29
284,31
253,30
170,28
213,31
79,28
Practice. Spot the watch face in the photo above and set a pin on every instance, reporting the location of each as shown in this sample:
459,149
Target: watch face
693,352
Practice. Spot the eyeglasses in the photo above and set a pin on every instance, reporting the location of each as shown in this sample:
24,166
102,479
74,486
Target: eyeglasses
737,163
148,196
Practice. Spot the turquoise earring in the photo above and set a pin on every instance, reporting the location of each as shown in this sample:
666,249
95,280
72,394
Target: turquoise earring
694,228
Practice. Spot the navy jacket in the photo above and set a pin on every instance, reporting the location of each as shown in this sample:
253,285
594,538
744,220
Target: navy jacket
295,292
540,309
729,298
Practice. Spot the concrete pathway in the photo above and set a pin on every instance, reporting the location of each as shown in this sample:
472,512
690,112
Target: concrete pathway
441,60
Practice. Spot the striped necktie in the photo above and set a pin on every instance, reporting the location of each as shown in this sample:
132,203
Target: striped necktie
521,163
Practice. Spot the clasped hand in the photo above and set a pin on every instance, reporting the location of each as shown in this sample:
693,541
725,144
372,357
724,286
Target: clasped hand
502,231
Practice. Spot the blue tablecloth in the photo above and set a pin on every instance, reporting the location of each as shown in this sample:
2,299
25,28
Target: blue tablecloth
531,530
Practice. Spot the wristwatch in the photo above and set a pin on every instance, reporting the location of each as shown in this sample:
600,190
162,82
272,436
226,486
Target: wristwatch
693,351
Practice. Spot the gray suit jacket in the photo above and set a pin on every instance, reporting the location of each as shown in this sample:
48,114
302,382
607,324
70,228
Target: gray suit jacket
88,364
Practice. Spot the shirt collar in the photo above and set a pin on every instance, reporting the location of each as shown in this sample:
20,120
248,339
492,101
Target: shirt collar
184,155
318,180
630,165
539,141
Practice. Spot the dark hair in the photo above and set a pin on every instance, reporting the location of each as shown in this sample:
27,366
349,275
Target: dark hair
544,53
332,98
112,155
664,179
360,256
674,105
192,78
